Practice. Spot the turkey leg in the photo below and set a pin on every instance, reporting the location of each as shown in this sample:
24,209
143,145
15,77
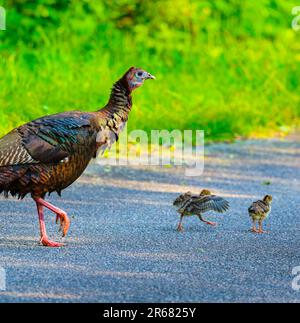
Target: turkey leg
253,229
44,238
207,222
60,215
260,229
180,227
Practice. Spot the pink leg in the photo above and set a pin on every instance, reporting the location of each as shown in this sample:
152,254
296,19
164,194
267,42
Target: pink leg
60,215
44,238
253,229
207,222
260,229
180,227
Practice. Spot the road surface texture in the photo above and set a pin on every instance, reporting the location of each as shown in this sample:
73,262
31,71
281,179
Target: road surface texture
123,245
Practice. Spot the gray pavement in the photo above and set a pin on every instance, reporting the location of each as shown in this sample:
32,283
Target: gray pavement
123,246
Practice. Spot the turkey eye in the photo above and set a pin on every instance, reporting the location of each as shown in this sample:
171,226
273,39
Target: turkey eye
140,73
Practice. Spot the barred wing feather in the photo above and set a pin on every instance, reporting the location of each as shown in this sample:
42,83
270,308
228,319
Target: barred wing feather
204,204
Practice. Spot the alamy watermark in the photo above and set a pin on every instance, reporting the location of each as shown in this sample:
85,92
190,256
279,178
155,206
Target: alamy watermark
296,280
296,20
2,279
157,148
2,18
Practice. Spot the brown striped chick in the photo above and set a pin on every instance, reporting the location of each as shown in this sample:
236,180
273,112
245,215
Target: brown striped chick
259,211
190,204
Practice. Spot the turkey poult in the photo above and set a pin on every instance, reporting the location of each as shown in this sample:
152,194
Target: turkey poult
190,204
50,153
258,211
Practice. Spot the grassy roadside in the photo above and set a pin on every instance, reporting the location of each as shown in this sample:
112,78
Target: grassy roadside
228,79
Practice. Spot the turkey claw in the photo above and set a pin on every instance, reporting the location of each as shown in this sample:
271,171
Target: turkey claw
64,223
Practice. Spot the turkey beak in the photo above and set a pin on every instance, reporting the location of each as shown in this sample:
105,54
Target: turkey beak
149,76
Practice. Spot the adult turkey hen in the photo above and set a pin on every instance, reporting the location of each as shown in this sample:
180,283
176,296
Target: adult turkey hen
50,153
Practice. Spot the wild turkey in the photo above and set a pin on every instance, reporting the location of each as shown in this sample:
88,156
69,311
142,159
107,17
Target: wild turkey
259,211
50,153
190,204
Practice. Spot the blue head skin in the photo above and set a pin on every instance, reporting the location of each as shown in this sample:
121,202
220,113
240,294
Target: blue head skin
136,76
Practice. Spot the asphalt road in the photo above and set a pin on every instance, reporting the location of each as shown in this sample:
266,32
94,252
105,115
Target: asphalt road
123,246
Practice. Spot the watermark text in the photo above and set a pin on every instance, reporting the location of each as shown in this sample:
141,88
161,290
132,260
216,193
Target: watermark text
2,18
155,148
2,279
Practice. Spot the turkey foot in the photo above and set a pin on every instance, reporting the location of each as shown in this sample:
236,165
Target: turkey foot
207,222
262,231
64,223
214,224
253,229
180,227
48,243
260,228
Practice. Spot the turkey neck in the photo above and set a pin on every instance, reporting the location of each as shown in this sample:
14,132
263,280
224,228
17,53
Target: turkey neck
120,102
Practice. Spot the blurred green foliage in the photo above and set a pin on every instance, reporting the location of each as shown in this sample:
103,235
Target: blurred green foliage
230,67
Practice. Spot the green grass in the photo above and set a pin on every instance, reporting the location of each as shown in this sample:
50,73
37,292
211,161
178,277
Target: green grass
225,69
